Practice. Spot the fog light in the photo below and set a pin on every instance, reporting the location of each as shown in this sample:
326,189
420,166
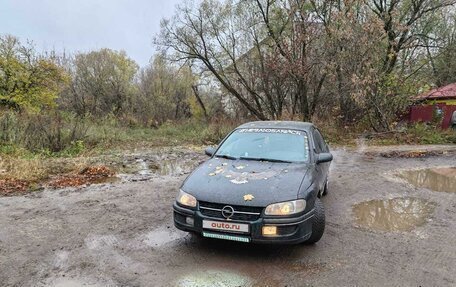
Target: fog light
269,230
189,221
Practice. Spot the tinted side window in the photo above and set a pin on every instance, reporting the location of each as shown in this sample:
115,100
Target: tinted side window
320,144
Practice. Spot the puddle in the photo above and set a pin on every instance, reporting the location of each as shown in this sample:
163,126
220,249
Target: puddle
143,167
407,153
397,214
146,166
75,282
175,167
437,179
214,278
162,236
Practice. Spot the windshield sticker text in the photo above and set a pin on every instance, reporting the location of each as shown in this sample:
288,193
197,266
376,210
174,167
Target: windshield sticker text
277,131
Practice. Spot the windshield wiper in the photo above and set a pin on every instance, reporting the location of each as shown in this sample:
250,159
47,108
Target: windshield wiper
226,156
265,159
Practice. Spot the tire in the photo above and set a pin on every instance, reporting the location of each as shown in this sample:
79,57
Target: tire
325,189
318,223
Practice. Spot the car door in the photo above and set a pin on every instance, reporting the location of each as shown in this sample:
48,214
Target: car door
317,150
321,147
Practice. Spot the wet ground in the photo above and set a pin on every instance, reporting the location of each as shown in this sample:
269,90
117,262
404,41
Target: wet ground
383,228
397,214
438,178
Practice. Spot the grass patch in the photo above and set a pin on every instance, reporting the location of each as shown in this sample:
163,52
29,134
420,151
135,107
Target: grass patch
104,136
99,146
417,134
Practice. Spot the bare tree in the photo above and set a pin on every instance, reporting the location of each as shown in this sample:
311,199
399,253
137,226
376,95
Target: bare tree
163,93
102,83
225,40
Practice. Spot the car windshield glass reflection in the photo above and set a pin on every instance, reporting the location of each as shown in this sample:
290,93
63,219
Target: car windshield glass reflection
276,145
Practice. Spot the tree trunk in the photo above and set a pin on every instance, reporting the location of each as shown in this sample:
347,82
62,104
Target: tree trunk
200,101
302,92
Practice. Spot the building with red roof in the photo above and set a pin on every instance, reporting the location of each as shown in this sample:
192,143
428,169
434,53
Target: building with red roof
440,102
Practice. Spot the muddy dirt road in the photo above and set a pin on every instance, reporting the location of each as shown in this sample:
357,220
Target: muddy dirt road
121,234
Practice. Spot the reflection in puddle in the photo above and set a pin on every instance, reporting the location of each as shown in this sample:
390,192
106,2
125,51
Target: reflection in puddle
162,236
398,214
215,278
74,282
145,168
175,167
437,179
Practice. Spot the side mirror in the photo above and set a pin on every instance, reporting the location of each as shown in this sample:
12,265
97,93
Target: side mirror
324,157
209,151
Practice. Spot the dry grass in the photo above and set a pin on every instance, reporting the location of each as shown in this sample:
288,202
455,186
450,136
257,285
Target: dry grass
38,168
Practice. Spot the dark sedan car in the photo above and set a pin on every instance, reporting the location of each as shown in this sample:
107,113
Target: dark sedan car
262,184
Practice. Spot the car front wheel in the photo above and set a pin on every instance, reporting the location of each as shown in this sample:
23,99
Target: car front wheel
318,223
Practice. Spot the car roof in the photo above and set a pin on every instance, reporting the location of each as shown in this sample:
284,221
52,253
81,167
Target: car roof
304,126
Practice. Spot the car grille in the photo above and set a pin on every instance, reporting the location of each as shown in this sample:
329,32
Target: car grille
241,213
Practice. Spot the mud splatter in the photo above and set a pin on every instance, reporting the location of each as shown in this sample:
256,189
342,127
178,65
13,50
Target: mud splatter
397,214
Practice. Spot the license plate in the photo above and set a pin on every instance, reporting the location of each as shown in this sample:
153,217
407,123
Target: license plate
226,226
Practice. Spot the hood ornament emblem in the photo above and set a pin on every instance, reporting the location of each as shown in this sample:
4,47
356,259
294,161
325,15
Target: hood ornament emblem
248,197
228,212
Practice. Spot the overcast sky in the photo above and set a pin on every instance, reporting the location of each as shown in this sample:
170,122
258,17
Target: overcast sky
82,25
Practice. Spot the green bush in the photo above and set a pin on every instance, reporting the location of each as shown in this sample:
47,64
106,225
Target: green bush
41,133
425,134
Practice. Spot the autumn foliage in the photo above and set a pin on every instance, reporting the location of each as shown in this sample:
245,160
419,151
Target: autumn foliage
13,186
89,175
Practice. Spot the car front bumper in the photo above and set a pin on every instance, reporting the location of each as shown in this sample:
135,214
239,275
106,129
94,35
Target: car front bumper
292,230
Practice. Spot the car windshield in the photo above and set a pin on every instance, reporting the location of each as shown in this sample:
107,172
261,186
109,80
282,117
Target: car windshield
266,144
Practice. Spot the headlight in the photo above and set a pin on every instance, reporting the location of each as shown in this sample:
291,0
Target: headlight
186,199
286,208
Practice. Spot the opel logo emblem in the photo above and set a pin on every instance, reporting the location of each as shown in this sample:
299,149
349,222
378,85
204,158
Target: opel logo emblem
228,212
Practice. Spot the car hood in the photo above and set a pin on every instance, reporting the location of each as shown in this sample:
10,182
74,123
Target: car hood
228,181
